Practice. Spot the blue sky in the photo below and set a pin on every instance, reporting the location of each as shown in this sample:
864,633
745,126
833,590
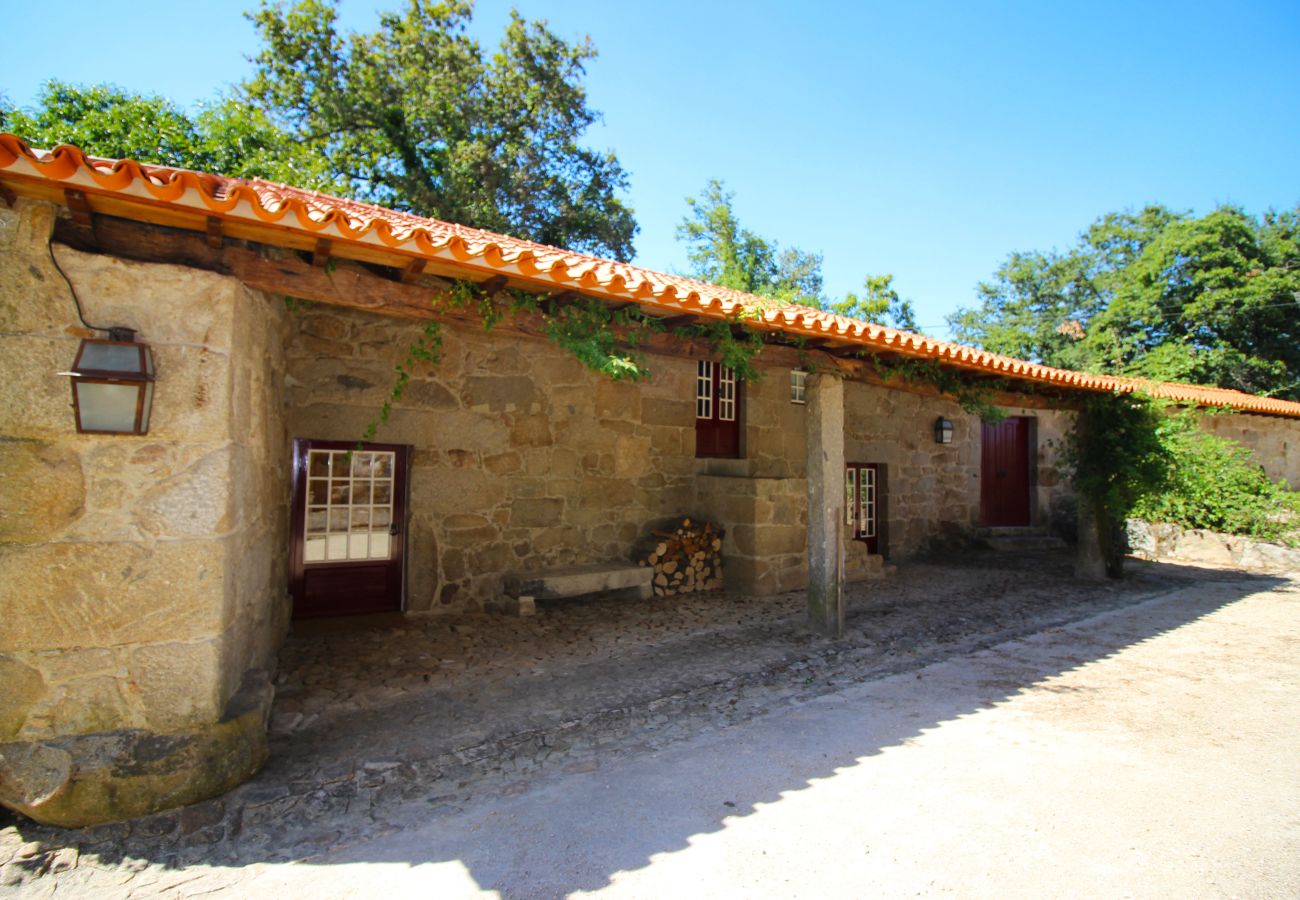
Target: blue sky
927,140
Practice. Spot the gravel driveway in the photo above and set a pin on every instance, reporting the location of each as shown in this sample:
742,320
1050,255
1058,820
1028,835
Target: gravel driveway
988,726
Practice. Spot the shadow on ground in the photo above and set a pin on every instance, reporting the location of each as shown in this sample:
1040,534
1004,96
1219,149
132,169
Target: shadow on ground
425,720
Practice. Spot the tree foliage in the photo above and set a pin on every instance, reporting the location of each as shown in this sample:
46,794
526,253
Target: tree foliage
879,302
721,251
1209,300
416,116
227,136
1117,457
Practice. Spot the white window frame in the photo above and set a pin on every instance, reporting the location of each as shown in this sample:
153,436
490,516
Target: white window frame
798,386
726,394
704,389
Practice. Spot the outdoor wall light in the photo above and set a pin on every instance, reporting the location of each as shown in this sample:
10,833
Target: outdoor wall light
112,384
942,430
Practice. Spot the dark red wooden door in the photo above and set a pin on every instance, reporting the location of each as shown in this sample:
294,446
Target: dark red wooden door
717,411
348,528
1004,473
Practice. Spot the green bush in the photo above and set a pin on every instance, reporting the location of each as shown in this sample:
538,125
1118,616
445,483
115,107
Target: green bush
1216,485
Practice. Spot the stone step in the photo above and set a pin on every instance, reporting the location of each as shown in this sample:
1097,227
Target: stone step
866,567
1013,543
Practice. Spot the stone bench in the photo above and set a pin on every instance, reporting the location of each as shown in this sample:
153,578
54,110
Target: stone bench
523,589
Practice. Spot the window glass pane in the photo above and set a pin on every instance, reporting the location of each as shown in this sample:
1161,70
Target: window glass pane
703,389
318,491
727,395
380,545
318,464
361,493
382,518
359,546
338,520
106,407
315,551
383,492
340,491
383,467
316,520
112,357
336,547
362,464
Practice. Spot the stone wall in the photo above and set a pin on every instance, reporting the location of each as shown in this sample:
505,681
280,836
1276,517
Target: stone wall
144,576
932,491
765,548
522,457
1274,441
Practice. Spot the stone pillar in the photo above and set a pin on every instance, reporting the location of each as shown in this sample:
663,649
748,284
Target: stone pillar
143,593
825,397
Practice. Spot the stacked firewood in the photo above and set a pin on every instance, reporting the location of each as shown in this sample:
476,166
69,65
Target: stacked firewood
685,558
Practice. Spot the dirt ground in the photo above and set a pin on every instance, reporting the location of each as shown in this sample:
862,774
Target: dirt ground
396,732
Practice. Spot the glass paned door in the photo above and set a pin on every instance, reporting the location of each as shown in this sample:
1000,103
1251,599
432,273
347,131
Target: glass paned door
348,542
349,505
862,509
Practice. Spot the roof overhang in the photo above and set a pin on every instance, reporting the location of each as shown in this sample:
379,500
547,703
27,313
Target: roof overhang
326,226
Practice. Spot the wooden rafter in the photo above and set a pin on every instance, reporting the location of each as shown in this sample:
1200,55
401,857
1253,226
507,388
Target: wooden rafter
321,255
492,285
412,271
82,214
216,233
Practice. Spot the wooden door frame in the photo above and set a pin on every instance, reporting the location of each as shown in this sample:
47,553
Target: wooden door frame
298,510
877,543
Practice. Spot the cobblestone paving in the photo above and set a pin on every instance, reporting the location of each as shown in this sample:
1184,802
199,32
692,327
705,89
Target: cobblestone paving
379,727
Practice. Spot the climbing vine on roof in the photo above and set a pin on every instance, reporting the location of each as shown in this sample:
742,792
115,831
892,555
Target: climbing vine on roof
976,397
609,342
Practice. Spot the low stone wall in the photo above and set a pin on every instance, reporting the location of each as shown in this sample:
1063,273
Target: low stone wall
144,580
1163,541
1274,441
766,519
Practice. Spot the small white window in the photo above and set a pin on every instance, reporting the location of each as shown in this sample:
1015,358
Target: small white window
798,382
704,390
727,394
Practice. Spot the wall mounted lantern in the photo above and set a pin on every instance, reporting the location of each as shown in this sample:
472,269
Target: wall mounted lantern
112,384
942,430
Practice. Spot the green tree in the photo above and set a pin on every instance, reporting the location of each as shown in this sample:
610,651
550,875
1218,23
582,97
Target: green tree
416,116
226,137
1211,300
723,252
879,302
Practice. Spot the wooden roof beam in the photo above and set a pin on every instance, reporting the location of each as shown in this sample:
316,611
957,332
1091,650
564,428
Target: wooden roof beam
412,271
79,205
216,233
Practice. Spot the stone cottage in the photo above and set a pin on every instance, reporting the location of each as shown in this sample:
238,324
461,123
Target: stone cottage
150,576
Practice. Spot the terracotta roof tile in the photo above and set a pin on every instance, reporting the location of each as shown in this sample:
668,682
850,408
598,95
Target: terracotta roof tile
313,213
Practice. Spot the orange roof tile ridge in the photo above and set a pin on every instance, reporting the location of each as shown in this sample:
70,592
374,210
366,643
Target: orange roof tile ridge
354,219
